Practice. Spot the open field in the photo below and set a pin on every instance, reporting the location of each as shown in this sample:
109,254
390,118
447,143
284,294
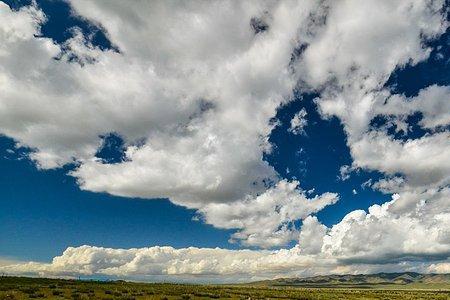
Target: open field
41,288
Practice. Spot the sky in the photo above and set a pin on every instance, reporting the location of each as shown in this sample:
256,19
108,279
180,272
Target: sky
224,141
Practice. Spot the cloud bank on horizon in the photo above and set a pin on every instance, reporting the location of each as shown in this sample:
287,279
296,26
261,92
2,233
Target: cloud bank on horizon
193,88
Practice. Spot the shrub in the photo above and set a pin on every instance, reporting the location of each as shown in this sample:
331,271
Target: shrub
57,292
7,296
37,295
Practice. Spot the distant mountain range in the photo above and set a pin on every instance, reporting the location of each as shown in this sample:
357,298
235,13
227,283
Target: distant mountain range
406,278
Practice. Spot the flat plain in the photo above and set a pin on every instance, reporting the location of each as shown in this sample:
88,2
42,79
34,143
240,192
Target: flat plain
42,288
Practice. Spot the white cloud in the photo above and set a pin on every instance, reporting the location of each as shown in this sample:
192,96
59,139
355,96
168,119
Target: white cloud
268,219
360,47
352,74
378,151
222,265
311,236
433,102
192,81
352,61
200,157
414,225
299,122
148,262
443,268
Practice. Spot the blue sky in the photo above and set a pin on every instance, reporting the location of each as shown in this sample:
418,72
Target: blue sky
98,196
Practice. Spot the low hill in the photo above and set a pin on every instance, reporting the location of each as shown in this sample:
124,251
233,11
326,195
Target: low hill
412,279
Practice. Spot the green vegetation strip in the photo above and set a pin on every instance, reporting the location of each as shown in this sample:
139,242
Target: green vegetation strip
42,288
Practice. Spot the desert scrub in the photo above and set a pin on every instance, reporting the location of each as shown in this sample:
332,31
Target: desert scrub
19,288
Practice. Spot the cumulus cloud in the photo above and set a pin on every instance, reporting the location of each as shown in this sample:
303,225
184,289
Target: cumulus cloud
351,60
269,218
311,236
352,75
192,100
153,261
378,151
410,226
443,268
